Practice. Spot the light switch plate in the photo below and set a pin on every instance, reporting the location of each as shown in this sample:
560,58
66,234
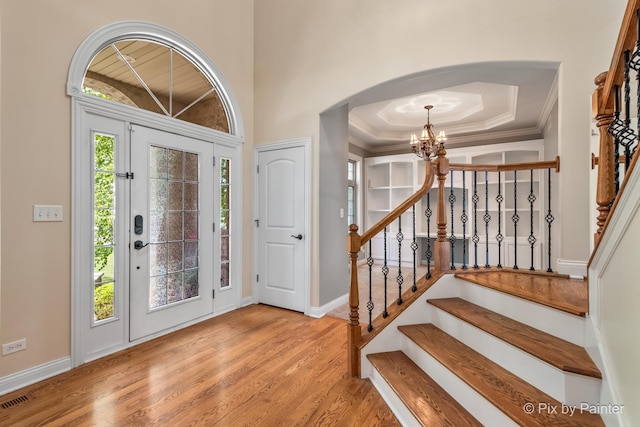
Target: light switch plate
47,213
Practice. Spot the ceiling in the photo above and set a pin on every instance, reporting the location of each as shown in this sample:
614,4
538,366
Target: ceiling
475,104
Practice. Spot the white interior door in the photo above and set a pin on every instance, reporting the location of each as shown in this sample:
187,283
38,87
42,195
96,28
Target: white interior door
171,232
282,249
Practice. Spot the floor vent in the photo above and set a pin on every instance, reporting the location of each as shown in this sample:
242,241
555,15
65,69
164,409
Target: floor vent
14,402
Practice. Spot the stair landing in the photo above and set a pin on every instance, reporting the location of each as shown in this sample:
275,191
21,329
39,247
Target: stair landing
559,292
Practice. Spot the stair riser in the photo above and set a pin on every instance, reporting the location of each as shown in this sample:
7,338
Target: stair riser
472,401
552,321
390,339
560,385
399,409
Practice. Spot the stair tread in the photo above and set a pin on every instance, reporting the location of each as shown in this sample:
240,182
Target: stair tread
559,292
428,402
503,389
557,352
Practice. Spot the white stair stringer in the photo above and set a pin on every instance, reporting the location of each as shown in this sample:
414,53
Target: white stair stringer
566,387
476,404
547,319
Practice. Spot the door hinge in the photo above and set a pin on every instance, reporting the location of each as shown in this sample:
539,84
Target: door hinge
127,175
214,160
131,127
214,227
213,293
257,168
257,223
257,277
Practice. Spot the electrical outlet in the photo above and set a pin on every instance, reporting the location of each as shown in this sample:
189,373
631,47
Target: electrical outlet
12,347
47,213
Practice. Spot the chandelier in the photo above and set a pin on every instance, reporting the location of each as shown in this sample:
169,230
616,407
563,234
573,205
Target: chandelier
427,146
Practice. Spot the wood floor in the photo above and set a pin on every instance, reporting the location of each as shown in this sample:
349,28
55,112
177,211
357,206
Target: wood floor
256,366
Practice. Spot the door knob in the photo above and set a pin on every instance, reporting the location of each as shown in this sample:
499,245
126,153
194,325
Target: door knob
299,236
138,244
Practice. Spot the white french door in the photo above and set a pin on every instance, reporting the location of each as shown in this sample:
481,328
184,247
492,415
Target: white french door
157,233
171,232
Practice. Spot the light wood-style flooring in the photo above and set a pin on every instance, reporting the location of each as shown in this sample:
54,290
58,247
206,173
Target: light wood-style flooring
256,366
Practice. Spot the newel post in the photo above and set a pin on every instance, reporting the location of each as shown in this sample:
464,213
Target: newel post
442,247
354,332
605,190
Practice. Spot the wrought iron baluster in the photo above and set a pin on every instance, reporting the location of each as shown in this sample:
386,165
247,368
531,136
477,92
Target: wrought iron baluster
627,88
616,140
370,302
428,253
621,130
385,273
627,107
414,248
515,218
475,237
636,67
452,237
400,279
549,218
532,237
499,236
486,218
464,218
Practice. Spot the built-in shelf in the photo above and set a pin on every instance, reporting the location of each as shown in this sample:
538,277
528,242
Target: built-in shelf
392,179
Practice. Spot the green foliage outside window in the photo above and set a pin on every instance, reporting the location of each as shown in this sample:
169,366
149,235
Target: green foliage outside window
104,199
103,301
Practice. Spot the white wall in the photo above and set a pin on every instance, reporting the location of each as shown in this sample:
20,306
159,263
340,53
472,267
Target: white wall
312,55
613,301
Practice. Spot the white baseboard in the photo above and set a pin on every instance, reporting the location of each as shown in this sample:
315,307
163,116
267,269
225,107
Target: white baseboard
318,312
33,375
572,268
247,301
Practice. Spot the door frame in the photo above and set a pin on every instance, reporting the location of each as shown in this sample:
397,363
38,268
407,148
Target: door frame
81,214
305,143
83,104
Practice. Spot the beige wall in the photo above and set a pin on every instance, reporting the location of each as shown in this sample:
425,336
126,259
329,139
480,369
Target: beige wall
312,55
39,38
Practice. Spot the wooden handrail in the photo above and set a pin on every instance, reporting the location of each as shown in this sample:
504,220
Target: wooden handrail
626,41
394,214
439,168
603,105
595,160
553,164
355,242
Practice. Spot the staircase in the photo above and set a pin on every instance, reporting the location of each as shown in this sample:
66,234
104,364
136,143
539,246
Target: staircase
497,348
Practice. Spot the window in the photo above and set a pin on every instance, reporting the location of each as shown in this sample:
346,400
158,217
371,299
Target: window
157,78
225,209
353,190
104,214
174,209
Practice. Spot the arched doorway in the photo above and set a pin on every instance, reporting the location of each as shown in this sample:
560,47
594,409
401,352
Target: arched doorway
156,166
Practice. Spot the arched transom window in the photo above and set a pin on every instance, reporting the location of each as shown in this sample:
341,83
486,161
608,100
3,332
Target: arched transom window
157,78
